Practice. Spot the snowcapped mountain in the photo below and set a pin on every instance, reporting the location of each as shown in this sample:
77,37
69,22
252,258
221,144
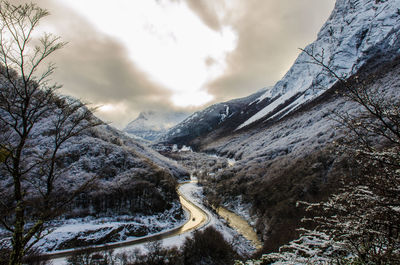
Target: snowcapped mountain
150,125
356,33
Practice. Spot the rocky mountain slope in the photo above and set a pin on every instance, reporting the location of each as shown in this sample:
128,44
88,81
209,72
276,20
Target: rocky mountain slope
150,125
356,31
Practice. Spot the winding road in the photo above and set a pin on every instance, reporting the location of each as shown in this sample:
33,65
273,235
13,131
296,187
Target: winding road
197,219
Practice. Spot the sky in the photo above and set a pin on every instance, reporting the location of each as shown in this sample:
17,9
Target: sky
128,56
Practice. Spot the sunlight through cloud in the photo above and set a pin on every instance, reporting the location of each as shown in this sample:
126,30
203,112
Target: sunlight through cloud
191,99
166,40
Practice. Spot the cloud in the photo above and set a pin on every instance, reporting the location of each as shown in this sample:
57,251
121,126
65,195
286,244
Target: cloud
95,68
269,33
207,12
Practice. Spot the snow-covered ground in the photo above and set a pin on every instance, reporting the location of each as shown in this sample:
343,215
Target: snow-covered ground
96,230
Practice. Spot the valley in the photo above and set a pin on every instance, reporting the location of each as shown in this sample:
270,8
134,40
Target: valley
306,171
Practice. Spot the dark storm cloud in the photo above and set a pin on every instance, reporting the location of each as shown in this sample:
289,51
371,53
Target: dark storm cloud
269,33
207,13
94,67
206,10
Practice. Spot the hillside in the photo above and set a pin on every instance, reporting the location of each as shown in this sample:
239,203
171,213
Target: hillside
126,179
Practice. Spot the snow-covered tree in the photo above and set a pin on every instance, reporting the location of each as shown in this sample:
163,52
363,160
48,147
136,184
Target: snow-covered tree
365,214
313,247
29,176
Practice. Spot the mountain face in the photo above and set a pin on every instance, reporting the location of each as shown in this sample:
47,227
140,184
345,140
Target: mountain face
150,125
357,32
283,140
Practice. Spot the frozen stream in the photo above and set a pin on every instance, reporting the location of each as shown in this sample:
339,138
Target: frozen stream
240,225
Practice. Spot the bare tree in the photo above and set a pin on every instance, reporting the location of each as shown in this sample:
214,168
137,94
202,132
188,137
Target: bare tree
31,193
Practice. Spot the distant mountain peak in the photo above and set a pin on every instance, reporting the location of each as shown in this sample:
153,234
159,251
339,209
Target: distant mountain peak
150,124
142,115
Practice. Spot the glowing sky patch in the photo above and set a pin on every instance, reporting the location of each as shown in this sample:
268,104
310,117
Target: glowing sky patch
107,108
192,98
166,40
